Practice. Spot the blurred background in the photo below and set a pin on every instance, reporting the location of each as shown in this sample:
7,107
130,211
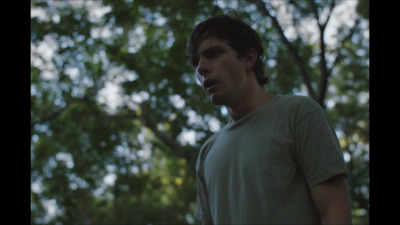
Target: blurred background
118,118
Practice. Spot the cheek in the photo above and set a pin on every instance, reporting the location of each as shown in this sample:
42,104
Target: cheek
237,73
232,66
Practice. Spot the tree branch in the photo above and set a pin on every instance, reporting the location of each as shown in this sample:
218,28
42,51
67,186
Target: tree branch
56,112
345,39
170,143
325,72
292,49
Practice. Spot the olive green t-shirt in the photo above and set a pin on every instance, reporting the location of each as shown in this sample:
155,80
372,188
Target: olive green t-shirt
260,169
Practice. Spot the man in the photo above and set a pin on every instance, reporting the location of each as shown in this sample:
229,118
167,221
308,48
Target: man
278,160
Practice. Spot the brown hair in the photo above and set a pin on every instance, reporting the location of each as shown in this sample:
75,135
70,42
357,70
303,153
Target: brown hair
238,35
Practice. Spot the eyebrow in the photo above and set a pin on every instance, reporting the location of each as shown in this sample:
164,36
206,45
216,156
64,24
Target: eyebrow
207,51
211,49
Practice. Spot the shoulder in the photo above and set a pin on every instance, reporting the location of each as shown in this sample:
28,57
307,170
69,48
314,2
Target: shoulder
298,105
210,141
299,101
205,148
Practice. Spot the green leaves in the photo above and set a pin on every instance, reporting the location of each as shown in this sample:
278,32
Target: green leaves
117,117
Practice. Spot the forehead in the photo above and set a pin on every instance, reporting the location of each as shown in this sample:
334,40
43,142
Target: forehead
210,43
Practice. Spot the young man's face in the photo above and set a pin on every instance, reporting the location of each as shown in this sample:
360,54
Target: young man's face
220,71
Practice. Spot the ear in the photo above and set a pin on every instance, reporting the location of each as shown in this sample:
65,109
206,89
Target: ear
250,58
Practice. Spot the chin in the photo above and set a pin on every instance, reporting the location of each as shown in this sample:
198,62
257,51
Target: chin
217,99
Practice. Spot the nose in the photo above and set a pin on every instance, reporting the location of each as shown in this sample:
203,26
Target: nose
203,68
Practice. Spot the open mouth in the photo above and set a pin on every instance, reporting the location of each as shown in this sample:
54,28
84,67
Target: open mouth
209,83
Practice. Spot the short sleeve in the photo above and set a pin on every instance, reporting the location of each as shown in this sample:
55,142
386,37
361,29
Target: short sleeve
202,211
317,147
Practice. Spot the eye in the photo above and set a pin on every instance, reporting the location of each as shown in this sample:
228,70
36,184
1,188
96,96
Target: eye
213,54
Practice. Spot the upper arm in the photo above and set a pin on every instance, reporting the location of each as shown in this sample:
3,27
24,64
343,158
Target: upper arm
332,200
202,211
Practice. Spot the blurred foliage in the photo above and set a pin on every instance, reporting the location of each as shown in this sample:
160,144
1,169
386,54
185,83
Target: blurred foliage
117,117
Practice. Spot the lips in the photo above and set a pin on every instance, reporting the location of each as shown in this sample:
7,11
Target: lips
209,84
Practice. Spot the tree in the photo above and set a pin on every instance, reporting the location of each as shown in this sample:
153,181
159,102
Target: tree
117,118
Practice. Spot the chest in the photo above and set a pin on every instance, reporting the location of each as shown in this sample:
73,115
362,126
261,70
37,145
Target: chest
243,154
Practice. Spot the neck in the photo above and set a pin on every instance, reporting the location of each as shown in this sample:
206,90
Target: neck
253,98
